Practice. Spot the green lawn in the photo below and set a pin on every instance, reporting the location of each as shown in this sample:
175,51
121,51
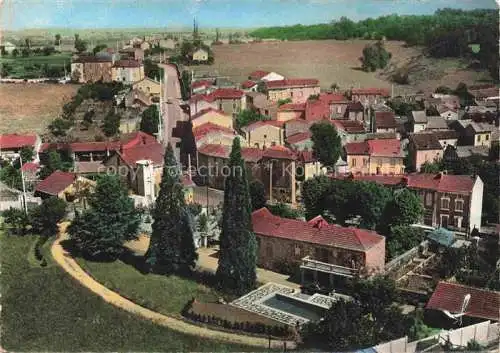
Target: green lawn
165,294
43,309
31,66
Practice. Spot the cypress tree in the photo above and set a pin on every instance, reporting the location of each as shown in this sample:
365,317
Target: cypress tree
171,249
238,247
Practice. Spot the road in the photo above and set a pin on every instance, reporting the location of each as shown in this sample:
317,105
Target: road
172,100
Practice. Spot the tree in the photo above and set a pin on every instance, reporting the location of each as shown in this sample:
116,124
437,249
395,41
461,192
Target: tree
401,238
98,48
375,56
431,167
111,220
57,39
150,120
404,209
45,218
315,193
247,117
27,154
54,162
238,246
59,127
15,52
284,211
152,70
283,101
17,220
257,194
172,248
80,45
11,177
111,124
326,143
368,200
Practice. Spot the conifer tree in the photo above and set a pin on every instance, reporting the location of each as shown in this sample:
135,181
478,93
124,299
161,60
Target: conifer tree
172,248
238,246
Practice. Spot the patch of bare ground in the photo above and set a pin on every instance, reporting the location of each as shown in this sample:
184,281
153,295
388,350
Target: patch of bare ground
30,107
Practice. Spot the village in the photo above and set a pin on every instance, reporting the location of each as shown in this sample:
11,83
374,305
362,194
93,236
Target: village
281,214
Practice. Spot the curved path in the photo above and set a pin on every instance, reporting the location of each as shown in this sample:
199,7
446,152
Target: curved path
65,260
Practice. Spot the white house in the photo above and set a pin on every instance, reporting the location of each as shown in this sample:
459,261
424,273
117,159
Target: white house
419,120
200,55
447,113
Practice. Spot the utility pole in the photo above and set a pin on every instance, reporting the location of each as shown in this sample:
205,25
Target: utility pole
25,205
160,108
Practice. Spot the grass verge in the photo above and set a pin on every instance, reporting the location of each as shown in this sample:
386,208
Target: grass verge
44,309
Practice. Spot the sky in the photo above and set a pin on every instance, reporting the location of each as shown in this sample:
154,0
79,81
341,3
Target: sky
22,14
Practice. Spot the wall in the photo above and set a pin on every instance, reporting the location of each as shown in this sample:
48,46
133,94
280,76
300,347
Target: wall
214,118
265,136
476,204
289,115
445,142
337,110
375,258
358,164
198,106
420,157
357,116
419,127
148,87
451,212
219,139
306,144
94,72
297,94
231,106
383,165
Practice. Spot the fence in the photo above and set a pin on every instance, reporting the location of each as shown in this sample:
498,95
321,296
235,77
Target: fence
405,258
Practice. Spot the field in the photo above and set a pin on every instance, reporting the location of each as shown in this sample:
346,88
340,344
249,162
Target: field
43,309
31,107
20,67
332,61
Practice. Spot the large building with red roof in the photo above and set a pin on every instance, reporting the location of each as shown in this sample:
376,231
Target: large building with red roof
380,156
323,251
213,116
296,89
12,144
450,201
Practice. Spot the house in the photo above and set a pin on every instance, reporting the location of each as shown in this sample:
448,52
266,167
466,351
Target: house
8,47
479,134
423,148
355,111
209,133
418,120
447,112
200,55
298,90
349,130
435,123
449,100
291,111
127,71
258,101
199,102
249,86
132,54
30,174
375,157
63,185
300,141
385,122
260,75
201,86
12,144
450,201
214,116
369,96
229,100
148,86
13,198
295,126
446,137
136,98
91,69
447,296
317,109
466,152
337,102
324,252
265,133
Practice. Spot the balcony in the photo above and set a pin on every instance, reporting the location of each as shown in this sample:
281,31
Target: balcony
314,265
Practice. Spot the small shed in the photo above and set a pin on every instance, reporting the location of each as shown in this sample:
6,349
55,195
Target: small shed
442,237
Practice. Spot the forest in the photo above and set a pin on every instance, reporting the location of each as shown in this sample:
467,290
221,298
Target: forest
446,33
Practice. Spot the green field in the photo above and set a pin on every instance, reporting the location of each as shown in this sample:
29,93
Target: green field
32,66
165,294
43,309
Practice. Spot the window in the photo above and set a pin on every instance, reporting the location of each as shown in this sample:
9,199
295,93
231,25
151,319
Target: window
300,93
457,221
297,250
459,205
478,138
234,105
365,162
339,109
220,106
428,199
445,203
486,137
353,163
379,162
291,94
444,220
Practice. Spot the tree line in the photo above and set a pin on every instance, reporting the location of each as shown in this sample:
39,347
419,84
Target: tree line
446,33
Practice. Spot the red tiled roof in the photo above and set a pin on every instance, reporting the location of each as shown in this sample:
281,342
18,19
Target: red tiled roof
307,156
317,110
299,137
251,154
55,183
201,97
127,63
94,146
261,123
349,126
483,303
279,152
292,82
153,152
227,93
248,84
292,107
385,148
267,224
385,120
390,180
371,91
355,107
207,128
137,138
258,74
207,110
15,141
201,83
297,121
333,98
357,148
30,167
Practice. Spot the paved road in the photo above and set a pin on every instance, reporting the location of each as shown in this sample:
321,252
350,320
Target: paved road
71,267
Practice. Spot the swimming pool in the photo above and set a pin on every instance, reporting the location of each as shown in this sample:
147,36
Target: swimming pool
295,306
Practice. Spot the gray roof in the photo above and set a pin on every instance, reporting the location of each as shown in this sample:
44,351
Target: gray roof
436,123
468,151
482,127
419,116
425,141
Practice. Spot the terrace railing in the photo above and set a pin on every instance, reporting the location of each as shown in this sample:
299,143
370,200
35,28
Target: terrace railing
310,264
